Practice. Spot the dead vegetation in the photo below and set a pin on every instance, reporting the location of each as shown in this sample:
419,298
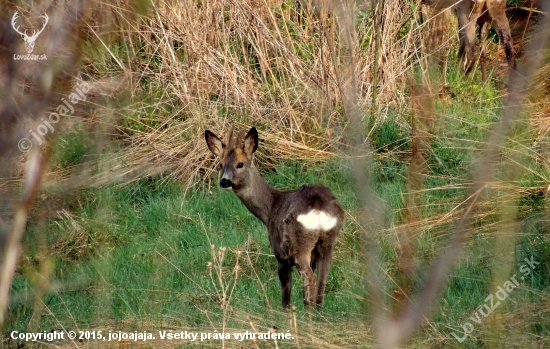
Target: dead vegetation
198,66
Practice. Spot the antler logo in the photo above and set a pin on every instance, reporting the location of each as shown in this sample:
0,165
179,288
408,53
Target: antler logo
29,40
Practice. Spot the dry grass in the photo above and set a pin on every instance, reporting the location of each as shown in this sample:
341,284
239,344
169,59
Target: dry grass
190,67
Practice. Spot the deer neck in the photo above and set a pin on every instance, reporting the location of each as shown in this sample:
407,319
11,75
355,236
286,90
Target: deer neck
257,196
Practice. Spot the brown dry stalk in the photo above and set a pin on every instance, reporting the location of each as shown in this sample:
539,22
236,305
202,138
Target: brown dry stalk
273,66
34,168
422,124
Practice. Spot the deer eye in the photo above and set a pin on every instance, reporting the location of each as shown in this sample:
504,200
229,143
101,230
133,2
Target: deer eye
240,165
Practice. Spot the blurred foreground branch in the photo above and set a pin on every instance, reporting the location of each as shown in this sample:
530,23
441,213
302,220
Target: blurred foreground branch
30,87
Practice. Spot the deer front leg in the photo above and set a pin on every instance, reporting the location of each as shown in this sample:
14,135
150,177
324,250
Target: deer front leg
285,277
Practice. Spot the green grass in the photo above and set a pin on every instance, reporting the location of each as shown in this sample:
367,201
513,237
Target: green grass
135,257
151,261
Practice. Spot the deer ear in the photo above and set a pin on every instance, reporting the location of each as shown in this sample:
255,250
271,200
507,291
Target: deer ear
214,143
251,142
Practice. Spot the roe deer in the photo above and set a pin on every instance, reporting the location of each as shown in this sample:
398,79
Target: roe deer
481,12
302,224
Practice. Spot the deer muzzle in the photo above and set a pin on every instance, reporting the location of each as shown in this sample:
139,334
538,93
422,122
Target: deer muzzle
226,183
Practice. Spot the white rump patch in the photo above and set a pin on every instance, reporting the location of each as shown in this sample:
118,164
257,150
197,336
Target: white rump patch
316,219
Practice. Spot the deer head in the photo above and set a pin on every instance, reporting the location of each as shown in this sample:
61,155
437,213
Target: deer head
236,157
29,40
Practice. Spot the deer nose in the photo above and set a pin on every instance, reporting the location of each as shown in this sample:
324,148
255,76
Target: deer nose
226,183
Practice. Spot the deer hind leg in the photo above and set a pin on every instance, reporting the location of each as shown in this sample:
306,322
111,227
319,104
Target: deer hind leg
464,32
323,263
304,268
483,56
497,10
468,15
285,277
323,251
478,16
303,245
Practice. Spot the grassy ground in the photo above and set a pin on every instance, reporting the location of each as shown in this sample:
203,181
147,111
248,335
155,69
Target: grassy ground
142,242
139,255
146,257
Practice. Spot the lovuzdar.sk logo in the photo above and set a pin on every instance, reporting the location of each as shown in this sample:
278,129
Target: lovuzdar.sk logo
29,39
